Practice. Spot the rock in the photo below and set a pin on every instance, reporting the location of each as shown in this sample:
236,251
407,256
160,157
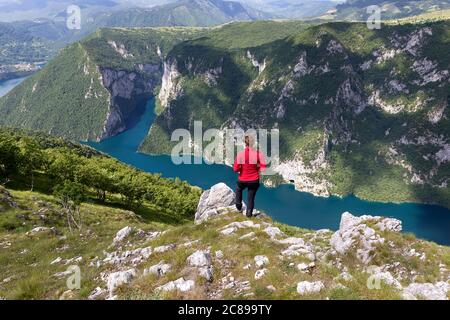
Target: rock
206,272
97,293
219,196
122,234
234,226
303,267
165,248
248,235
219,254
57,260
6,198
199,259
427,291
38,230
179,284
354,234
260,273
261,261
273,232
117,279
344,276
271,288
306,287
134,257
379,276
247,266
159,270
67,295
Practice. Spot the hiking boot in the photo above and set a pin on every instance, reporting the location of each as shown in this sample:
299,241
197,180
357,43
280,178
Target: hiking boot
249,215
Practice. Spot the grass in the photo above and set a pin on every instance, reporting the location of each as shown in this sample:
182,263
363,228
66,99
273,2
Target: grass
27,258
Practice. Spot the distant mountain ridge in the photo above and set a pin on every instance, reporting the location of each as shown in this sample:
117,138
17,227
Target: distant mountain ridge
356,10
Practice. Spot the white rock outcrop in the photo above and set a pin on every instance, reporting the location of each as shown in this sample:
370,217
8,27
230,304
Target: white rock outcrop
122,234
355,234
180,284
427,291
219,196
159,270
119,278
307,287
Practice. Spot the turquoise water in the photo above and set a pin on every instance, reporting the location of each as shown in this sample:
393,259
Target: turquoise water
283,203
8,85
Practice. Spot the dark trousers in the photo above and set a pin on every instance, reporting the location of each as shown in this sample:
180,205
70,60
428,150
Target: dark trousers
252,187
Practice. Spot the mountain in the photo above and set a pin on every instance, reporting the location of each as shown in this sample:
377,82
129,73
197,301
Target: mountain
360,111
356,10
292,9
181,13
139,236
27,42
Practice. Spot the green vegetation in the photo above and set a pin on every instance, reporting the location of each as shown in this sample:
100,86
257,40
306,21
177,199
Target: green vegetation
75,174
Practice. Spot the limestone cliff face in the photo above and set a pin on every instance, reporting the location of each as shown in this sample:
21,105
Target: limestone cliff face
325,97
127,90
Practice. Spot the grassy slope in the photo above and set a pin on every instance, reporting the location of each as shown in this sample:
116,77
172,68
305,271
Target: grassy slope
26,259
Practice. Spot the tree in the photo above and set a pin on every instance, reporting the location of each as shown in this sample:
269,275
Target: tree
70,195
32,158
9,158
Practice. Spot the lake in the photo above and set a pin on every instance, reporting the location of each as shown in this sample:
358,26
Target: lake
284,203
8,85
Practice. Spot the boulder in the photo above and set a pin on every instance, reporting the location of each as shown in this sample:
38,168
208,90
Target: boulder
355,234
260,273
306,287
122,234
179,284
206,272
261,261
219,196
159,270
427,291
119,278
199,259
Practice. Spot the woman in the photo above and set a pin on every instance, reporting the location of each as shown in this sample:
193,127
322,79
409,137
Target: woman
249,164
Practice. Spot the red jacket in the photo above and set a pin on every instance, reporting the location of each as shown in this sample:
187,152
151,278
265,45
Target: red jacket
249,163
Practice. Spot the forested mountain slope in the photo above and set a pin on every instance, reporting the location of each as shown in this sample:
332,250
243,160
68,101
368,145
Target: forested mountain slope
360,111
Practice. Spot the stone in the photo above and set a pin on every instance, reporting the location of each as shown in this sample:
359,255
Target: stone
427,291
206,272
355,234
260,273
122,234
119,278
261,261
57,260
97,293
219,196
159,270
38,230
219,254
179,284
199,259
307,287
305,267
162,249
247,236
271,288
273,232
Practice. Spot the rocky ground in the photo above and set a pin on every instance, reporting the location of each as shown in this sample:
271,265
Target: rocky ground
220,255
